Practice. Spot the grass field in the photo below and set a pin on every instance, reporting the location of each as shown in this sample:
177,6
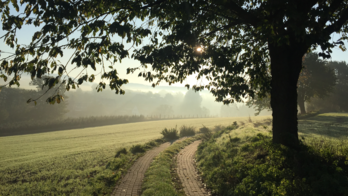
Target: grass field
328,125
65,162
243,161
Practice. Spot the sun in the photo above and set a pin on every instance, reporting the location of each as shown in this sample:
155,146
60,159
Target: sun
199,49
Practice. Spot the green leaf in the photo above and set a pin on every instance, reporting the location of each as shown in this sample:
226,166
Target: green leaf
60,71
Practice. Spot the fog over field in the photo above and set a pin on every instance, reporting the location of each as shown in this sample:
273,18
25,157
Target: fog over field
139,99
145,100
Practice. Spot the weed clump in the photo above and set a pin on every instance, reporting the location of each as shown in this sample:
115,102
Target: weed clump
170,134
218,127
121,151
137,149
234,139
234,125
204,129
187,131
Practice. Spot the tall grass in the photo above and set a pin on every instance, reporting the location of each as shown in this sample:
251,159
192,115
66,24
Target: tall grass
187,131
170,134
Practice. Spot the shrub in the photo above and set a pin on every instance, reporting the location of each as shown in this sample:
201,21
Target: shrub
204,129
234,139
121,151
207,136
137,149
117,163
170,134
218,128
233,126
187,131
150,144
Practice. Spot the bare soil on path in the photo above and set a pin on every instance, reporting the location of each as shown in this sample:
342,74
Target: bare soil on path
131,183
187,171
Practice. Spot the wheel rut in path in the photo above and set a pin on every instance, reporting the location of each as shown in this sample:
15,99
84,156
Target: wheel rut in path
187,171
131,183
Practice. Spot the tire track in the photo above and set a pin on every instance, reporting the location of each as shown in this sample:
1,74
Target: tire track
187,171
131,183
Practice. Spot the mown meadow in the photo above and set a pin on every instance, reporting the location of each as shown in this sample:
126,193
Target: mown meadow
79,161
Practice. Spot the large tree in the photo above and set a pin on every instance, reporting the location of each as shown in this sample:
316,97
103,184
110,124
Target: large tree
241,40
316,79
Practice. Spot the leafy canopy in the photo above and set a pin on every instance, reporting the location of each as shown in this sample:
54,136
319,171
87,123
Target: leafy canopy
233,35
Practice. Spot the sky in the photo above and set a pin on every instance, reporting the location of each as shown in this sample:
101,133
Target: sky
25,36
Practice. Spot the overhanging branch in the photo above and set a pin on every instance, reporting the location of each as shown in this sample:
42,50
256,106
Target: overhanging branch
338,24
244,15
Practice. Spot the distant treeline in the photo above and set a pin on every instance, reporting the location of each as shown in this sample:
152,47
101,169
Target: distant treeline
29,127
14,107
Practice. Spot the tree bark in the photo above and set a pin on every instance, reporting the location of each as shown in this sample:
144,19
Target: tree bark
286,64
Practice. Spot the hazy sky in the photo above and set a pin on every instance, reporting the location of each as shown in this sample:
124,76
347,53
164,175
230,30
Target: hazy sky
25,35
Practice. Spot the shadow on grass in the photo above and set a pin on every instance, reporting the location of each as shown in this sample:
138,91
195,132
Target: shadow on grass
267,122
334,126
268,169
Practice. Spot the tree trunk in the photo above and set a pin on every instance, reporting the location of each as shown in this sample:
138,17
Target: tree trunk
301,103
286,64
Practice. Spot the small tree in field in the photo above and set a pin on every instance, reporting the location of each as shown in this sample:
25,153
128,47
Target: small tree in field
316,80
234,44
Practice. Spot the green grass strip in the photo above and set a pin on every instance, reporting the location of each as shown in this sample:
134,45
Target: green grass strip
159,178
84,174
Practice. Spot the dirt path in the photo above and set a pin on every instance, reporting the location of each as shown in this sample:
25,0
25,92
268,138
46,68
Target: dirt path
187,171
131,182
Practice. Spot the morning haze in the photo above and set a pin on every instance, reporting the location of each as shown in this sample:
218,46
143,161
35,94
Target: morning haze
139,100
283,60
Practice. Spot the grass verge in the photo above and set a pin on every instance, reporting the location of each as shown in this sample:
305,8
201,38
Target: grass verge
159,177
236,164
86,178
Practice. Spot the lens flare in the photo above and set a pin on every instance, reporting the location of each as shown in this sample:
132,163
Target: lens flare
199,49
